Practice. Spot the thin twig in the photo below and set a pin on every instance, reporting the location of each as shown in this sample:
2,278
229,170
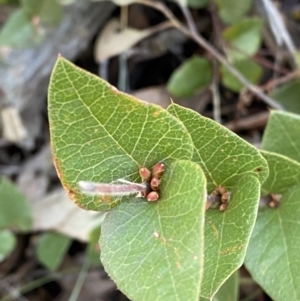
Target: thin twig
216,94
208,47
80,281
189,19
271,84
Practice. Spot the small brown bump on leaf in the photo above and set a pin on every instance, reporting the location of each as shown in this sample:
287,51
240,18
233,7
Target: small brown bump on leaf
153,196
158,170
275,201
155,183
105,199
223,207
259,169
145,173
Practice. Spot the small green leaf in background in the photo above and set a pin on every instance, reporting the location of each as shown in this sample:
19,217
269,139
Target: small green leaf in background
227,234
282,134
100,134
273,252
193,75
223,156
250,69
93,256
49,11
9,2
228,291
18,31
8,243
15,211
288,95
244,37
283,173
154,251
231,11
197,3
51,249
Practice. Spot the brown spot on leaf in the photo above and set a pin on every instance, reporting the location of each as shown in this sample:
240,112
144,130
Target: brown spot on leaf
215,230
156,113
258,169
72,194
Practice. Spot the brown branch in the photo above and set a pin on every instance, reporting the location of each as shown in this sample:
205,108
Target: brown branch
208,47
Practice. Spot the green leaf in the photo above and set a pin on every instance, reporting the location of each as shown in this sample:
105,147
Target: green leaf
282,134
251,70
273,253
194,74
100,134
8,243
51,249
231,11
49,11
154,251
223,156
244,37
288,95
197,3
15,211
18,31
93,252
283,173
228,291
227,234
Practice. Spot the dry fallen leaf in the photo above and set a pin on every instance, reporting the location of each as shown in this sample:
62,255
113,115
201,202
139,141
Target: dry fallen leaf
13,128
57,212
113,41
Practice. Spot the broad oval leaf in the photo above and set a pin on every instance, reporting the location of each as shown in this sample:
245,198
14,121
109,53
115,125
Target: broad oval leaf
223,156
231,11
193,75
51,249
228,291
273,252
283,173
250,69
244,37
154,251
288,95
100,134
227,234
282,134
19,32
15,211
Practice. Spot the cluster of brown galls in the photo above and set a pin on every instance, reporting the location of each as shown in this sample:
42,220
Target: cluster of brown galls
152,180
223,196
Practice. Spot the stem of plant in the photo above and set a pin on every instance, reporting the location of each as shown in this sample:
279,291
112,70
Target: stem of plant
208,47
80,280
